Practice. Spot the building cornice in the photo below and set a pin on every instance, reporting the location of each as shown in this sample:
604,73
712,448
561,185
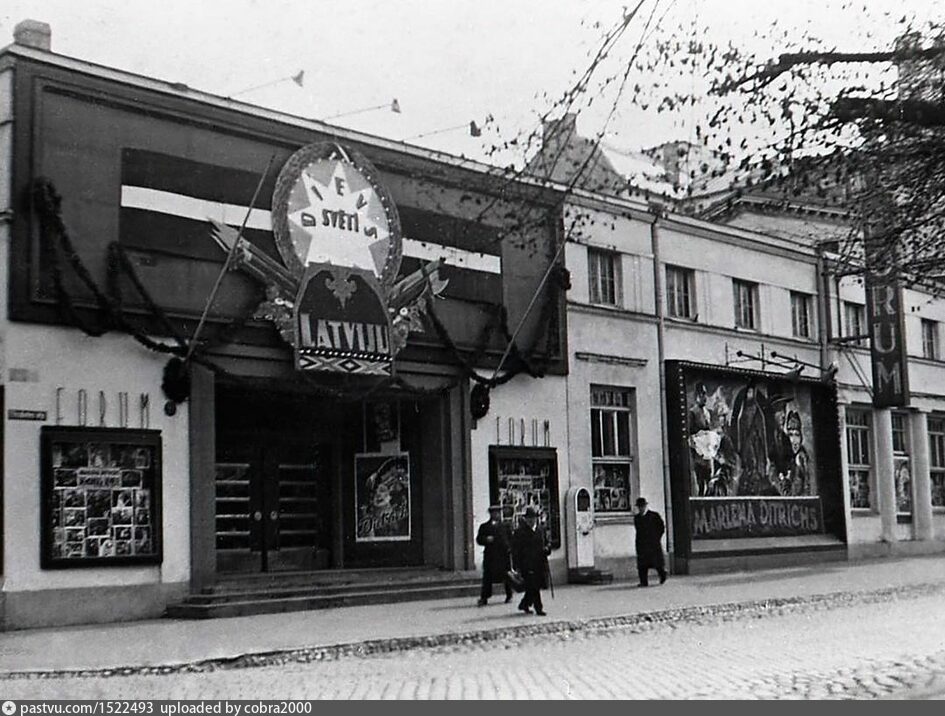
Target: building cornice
625,361
729,205
611,312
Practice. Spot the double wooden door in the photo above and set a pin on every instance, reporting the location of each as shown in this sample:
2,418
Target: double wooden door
273,504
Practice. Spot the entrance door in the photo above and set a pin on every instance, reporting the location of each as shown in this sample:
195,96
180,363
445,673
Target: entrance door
273,507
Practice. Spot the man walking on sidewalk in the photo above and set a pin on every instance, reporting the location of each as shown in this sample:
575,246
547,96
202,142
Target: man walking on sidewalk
496,537
530,557
649,527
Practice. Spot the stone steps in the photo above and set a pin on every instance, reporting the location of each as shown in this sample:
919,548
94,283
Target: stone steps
270,594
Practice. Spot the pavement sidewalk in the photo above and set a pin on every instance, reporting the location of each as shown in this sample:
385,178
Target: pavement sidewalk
166,642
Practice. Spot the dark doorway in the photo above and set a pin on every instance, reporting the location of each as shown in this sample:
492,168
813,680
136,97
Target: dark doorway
273,484
307,482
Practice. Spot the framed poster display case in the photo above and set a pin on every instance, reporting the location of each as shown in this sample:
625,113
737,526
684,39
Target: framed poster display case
752,455
101,497
382,497
523,476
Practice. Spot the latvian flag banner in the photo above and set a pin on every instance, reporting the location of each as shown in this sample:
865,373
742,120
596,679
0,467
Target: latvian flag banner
166,202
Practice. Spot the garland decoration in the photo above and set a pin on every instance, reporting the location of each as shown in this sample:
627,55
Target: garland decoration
479,401
517,362
48,205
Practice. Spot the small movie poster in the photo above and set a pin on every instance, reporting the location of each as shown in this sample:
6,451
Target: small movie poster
382,498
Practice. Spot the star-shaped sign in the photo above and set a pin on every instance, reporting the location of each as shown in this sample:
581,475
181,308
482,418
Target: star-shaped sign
336,217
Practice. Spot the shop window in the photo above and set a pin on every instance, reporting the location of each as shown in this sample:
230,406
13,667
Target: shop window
859,462
902,468
930,339
854,321
612,450
746,304
937,460
680,292
603,268
800,314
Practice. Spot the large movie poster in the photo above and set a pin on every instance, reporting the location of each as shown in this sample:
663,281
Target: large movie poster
382,497
101,496
748,437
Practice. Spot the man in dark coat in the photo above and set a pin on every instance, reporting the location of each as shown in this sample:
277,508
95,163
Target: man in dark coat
530,558
496,537
649,527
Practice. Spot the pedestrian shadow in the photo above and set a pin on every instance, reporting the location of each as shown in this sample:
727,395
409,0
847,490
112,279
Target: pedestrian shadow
625,587
729,579
457,607
472,606
513,618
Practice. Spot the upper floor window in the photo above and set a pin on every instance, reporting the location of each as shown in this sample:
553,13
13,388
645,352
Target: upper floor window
746,303
854,321
800,314
680,292
930,339
603,273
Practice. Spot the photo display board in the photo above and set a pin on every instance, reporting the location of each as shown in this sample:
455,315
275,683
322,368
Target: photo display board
101,497
523,476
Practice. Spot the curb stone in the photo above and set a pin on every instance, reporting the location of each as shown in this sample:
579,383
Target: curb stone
633,623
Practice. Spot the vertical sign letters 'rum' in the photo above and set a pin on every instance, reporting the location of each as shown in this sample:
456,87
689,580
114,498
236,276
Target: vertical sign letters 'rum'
887,330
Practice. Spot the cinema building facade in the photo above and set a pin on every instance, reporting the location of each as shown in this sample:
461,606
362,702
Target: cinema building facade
348,294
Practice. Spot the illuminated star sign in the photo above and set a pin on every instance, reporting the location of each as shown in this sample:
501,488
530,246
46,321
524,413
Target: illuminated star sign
335,216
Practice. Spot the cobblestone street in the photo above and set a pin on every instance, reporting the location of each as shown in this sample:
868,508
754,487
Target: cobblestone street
868,645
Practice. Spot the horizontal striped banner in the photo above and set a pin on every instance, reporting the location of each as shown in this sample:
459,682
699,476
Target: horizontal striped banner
180,188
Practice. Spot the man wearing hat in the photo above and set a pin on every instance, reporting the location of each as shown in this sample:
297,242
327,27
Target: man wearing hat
530,557
495,536
649,527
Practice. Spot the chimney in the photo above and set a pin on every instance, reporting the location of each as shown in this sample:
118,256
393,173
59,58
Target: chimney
919,79
33,33
563,129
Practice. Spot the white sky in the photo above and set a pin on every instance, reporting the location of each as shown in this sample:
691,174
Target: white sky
446,61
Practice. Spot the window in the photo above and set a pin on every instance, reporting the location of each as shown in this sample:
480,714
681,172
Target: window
746,304
929,339
603,269
680,292
854,319
902,469
858,458
937,460
611,448
800,314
